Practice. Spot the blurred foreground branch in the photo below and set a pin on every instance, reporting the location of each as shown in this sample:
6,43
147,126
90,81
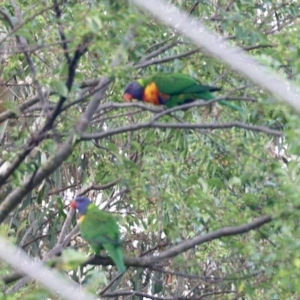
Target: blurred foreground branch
52,280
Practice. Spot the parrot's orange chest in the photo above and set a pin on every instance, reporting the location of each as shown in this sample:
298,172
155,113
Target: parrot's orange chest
152,94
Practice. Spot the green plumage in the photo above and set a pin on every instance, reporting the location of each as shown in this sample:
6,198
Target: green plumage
101,230
183,89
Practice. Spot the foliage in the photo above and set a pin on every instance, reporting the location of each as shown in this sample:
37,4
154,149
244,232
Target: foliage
165,185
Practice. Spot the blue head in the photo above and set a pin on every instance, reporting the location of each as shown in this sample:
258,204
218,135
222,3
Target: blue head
80,203
133,91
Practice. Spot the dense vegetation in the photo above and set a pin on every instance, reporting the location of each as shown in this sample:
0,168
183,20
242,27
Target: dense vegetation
187,173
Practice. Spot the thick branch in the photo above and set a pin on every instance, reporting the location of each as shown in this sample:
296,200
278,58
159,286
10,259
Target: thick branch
54,281
171,252
184,246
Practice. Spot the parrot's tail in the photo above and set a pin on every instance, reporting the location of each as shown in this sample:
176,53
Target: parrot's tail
115,252
231,105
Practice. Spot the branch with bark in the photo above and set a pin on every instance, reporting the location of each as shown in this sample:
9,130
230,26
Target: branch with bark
146,261
151,124
63,151
39,136
54,281
151,261
147,63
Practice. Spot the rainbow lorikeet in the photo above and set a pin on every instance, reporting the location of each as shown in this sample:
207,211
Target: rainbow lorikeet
171,89
100,230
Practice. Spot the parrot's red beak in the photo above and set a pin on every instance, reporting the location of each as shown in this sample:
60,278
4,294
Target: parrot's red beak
127,97
73,204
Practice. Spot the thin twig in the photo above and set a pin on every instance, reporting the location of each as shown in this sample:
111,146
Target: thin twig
165,59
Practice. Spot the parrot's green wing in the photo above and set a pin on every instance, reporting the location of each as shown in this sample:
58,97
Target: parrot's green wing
101,230
177,89
175,84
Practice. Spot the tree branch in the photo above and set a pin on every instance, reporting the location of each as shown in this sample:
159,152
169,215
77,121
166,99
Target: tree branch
40,135
165,59
20,25
151,124
184,246
97,187
132,294
157,52
16,196
253,47
61,33
33,100
23,45
52,280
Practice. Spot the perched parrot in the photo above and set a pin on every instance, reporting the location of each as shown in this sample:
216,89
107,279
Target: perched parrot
100,230
171,89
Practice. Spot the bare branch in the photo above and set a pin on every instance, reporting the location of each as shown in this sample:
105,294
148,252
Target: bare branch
157,52
194,7
81,49
165,59
142,294
65,227
97,187
56,250
33,100
135,293
40,135
151,124
159,43
253,47
184,246
22,43
52,280
111,283
61,33
16,196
